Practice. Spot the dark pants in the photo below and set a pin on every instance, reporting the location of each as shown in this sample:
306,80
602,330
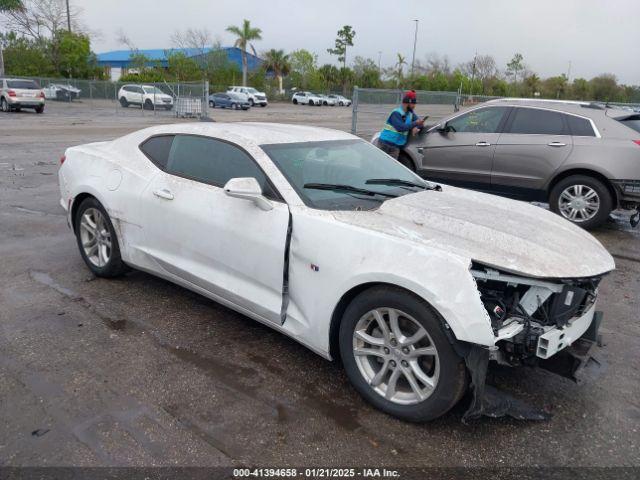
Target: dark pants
390,150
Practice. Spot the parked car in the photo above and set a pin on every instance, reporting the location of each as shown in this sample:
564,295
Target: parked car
306,98
61,92
254,96
582,158
229,100
323,237
16,94
145,96
327,100
340,100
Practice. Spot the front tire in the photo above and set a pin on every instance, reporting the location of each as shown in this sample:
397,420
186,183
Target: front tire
583,200
397,356
147,105
252,102
310,103
97,240
123,102
39,109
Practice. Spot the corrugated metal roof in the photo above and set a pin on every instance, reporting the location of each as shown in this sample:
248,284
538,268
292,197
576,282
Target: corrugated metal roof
122,58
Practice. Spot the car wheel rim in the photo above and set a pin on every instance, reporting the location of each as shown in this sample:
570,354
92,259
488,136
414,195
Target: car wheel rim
579,203
396,356
95,237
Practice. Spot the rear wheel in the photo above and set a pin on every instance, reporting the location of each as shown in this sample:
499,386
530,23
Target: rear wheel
97,240
212,104
295,101
583,200
39,109
4,106
397,356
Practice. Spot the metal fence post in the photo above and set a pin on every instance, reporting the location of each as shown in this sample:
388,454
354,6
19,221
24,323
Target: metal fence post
354,111
205,109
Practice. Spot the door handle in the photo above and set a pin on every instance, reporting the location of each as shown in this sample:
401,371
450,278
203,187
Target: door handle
483,144
557,144
420,150
164,193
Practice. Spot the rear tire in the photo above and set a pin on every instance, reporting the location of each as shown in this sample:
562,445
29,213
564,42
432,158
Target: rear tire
39,109
4,106
430,360
583,200
94,231
295,101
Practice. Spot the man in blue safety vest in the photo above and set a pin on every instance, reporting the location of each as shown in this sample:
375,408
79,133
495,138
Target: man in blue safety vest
399,125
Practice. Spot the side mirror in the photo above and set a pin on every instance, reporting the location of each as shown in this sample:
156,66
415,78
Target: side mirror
443,128
248,188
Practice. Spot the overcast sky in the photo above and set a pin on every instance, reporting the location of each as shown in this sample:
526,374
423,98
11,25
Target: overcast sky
597,36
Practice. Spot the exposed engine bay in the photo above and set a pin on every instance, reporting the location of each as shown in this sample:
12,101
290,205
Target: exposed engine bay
534,319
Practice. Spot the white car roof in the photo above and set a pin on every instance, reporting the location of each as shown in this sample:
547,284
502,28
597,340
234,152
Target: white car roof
252,133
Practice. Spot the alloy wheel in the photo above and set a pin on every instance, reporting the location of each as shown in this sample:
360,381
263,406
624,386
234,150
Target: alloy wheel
579,203
95,237
396,356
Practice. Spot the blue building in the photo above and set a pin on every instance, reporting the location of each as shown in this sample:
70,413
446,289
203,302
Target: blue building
117,62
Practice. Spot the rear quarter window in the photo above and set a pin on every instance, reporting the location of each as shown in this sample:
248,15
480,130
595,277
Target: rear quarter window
157,149
535,121
580,127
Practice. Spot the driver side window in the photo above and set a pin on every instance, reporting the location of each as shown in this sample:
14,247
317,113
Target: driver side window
214,162
484,120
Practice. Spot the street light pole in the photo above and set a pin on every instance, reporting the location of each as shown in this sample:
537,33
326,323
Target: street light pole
379,60
415,41
68,17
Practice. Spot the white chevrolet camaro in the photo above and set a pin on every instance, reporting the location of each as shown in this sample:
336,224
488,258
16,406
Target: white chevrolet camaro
320,235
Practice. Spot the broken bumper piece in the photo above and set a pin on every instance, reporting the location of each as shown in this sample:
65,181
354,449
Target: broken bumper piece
575,362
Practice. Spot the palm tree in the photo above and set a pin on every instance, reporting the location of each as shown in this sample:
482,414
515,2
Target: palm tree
277,61
245,34
401,61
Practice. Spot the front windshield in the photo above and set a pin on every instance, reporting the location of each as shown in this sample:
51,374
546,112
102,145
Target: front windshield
341,162
154,90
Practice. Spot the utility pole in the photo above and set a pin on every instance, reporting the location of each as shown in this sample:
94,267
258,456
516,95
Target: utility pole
1,61
569,72
68,18
473,73
415,41
379,60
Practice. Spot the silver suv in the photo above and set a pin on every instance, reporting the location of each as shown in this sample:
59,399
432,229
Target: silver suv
582,158
16,94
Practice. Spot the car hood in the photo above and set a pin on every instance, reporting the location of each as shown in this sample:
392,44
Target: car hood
506,234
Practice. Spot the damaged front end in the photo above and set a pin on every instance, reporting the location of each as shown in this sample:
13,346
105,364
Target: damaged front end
550,324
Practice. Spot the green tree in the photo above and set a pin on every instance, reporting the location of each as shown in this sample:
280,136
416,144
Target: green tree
330,75
555,87
182,68
580,89
71,53
345,39
605,88
7,6
531,85
515,65
245,35
25,57
366,73
398,74
304,69
278,62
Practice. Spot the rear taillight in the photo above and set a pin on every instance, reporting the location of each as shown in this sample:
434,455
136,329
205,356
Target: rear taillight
637,142
62,159
12,93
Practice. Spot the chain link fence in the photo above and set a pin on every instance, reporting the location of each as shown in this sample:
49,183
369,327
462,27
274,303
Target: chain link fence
186,99
371,107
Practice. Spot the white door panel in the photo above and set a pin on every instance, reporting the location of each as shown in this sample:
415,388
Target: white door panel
225,245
